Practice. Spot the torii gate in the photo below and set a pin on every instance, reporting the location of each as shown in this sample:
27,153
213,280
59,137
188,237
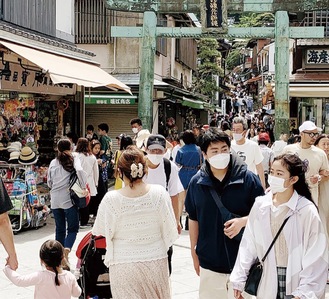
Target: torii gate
281,32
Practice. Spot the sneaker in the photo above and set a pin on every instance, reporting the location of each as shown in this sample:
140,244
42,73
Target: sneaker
85,226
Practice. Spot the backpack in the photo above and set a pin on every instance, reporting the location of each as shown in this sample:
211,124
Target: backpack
167,169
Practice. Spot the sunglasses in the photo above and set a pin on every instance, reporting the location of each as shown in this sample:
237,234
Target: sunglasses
311,134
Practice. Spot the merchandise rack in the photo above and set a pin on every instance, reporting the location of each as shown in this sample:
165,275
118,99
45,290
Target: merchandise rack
30,211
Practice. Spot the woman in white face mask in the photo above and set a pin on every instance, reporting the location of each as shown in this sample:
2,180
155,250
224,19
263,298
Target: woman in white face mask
296,266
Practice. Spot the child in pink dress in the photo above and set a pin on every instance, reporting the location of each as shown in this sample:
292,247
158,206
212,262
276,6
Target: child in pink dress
53,282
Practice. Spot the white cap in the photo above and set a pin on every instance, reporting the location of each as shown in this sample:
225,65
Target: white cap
308,126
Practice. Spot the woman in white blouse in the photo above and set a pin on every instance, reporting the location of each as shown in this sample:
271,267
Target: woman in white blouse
139,225
90,166
297,264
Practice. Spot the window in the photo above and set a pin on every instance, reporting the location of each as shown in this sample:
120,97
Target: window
318,18
161,47
92,22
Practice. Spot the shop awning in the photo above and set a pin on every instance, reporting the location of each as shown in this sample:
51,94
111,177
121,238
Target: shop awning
66,70
308,90
320,91
192,103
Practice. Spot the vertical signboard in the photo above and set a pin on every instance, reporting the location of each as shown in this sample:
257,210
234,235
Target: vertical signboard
214,15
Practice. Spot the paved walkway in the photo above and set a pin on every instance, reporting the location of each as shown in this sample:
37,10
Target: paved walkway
184,280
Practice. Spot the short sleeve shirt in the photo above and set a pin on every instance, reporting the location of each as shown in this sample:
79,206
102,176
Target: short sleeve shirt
249,152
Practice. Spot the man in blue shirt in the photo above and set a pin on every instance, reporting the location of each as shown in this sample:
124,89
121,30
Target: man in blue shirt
214,232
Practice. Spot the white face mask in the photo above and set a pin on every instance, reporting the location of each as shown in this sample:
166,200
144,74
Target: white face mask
181,142
155,159
276,184
135,130
237,137
220,161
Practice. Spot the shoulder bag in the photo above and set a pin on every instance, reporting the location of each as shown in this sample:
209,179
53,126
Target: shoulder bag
256,270
226,214
77,193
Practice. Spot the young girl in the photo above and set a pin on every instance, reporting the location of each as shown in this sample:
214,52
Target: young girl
297,265
53,282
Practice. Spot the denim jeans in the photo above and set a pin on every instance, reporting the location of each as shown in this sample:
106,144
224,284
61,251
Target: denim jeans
71,218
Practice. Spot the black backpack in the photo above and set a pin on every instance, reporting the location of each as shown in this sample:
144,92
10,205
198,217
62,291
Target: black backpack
167,169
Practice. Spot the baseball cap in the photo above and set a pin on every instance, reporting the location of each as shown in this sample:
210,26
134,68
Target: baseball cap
308,126
156,141
263,137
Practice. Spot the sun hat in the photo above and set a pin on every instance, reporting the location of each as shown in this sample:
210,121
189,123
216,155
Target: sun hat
156,141
13,158
27,156
308,126
14,147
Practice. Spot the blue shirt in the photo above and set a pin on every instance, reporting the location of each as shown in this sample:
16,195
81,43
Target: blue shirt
190,158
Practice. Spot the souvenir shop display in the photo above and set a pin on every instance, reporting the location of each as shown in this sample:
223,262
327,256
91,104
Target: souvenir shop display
21,177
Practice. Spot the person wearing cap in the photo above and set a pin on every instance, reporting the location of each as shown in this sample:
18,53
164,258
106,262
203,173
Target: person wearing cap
268,154
247,150
215,234
164,172
315,158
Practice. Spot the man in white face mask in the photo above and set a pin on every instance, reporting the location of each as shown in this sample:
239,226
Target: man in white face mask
214,228
141,134
163,172
247,150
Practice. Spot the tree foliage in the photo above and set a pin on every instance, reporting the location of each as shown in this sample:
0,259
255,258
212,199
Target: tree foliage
256,20
209,65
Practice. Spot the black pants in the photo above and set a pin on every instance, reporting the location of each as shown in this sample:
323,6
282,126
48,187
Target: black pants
169,253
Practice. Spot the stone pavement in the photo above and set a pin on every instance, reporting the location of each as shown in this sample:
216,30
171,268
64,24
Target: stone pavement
184,281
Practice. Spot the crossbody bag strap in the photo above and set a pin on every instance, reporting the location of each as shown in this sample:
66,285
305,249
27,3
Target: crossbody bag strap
275,238
217,199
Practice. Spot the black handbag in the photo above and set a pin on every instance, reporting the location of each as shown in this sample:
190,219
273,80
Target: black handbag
256,270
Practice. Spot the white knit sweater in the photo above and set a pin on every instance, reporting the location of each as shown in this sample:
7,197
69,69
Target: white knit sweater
136,229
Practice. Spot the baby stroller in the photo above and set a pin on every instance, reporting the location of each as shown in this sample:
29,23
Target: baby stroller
94,275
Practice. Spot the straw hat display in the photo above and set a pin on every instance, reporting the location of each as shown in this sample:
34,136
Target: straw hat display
27,156
2,148
14,147
13,158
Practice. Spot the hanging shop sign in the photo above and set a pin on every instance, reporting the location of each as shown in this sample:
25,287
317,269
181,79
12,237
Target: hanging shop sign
14,77
110,99
317,57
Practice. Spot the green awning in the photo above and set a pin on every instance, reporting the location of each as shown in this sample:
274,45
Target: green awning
116,99
192,103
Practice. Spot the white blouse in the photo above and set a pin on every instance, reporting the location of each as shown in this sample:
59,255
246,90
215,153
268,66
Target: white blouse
136,229
307,266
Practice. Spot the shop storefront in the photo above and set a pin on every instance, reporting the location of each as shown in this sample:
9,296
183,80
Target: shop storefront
114,109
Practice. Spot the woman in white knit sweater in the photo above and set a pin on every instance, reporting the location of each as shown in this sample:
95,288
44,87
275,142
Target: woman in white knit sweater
296,266
139,225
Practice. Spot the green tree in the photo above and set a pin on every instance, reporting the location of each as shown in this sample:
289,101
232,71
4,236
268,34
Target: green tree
209,65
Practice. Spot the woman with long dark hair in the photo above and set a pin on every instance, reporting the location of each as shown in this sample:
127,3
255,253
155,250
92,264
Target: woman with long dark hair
296,266
65,213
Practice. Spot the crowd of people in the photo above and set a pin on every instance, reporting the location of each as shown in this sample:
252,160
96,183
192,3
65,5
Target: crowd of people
235,182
